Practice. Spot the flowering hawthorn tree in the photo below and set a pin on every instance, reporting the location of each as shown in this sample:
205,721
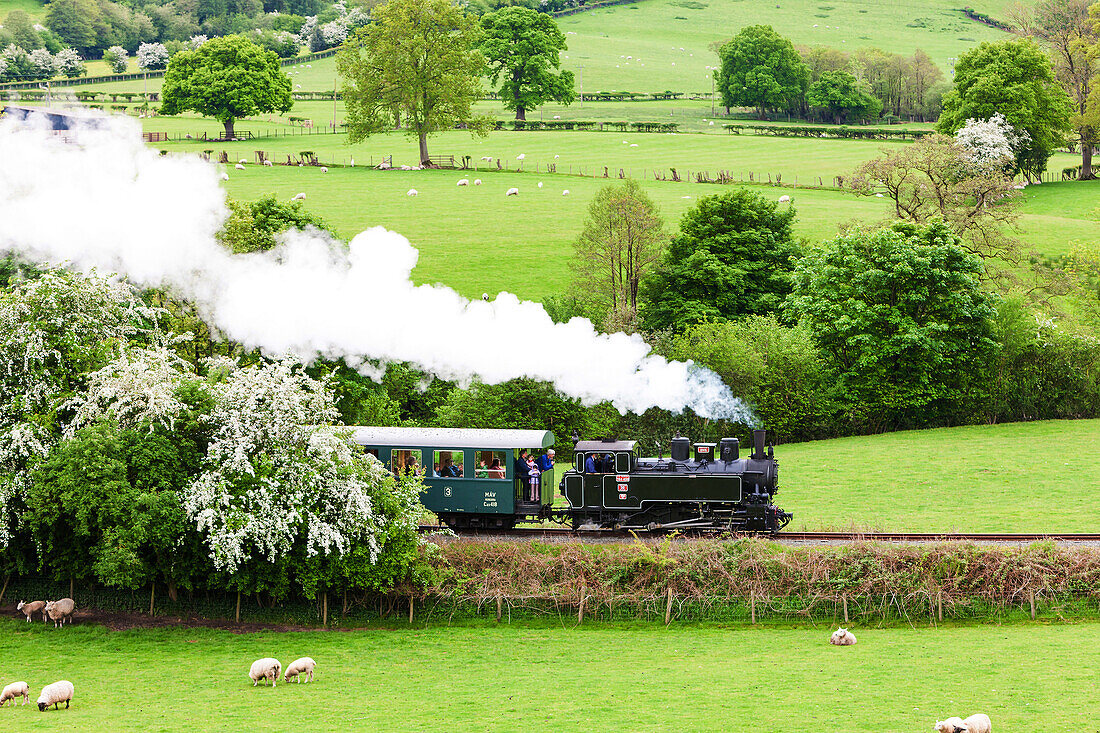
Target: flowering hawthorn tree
279,486
116,58
989,146
195,42
152,56
68,63
41,62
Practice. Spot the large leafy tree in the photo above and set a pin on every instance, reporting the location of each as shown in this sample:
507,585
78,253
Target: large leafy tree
902,313
844,98
521,47
417,62
78,23
225,78
1014,78
761,69
733,257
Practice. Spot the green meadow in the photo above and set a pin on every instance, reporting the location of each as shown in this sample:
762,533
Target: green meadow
1029,676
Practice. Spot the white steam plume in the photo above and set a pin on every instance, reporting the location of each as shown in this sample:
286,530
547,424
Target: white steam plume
104,200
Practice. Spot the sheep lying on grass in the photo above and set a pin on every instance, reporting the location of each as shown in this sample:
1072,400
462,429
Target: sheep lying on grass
14,691
512,192
477,181
55,694
976,723
32,608
267,668
239,167
299,668
412,192
463,182
842,637
61,610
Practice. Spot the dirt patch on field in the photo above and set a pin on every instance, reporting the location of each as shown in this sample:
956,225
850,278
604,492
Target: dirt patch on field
123,621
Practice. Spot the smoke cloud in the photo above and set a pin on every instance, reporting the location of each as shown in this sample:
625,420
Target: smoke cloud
104,200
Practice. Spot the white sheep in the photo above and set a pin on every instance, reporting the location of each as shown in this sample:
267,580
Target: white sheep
565,192
540,184
267,668
521,156
556,157
55,694
239,167
61,610
463,182
406,167
32,608
242,161
487,158
298,197
951,725
14,691
842,637
268,164
784,199
512,192
299,668
224,176
878,195
979,723
412,192
477,181
324,169
557,117
633,145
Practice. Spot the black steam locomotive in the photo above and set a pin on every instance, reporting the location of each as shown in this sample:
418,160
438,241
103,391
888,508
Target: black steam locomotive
478,479
714,489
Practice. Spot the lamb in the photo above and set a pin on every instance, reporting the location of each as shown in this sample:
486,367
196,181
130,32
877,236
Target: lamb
14,691
299,668
477,181
784,199
976,723
951,725
842,637
32,608
298,197
239,167
61,610
463,182
512,192
55,694
324,169
412,192
267,668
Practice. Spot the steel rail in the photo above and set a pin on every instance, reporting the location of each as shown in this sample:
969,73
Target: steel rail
849,536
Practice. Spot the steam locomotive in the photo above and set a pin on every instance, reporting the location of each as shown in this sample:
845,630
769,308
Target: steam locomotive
474,479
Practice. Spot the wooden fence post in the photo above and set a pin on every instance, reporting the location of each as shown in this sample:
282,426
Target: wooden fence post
71,588
152,595
1032,605
845,597
500,607
324,609
752,606
237,617
580,606
668,607
412,606
5,588
939,605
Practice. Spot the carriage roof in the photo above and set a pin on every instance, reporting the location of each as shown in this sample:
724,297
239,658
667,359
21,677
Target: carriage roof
451,437
603,446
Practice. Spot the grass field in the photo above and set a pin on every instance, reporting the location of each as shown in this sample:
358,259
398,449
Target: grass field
33,8
1017,477
514,678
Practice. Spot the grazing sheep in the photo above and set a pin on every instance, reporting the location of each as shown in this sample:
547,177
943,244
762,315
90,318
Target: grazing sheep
557,117
61,610
979,723
487,158
14,691
485,297
477,181
951,725
324,169
239,167
412,192
32,608
299,668
540,184
267,668
406,167
463,182
298,197
383,166
633,145
521,156
512,192
55,694
556,157
225,176
268,164
842,637
878,195
784,199
565,192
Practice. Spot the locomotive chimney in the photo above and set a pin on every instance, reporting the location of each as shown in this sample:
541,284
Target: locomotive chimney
758,443
680,448
730,449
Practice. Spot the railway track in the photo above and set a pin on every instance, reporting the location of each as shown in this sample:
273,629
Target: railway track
566,534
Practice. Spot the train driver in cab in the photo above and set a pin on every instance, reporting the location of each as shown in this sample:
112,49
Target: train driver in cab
590,463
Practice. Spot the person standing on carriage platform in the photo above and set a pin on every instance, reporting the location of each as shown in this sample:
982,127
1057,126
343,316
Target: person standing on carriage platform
521,471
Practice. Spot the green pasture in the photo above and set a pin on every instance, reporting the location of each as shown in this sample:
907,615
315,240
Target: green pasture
561,678
670,40
34,8
1016,477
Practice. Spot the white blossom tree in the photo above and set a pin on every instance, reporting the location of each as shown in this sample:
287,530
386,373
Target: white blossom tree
276,477
195,42
53,329
152,56
41,62
989,145
68,63
117,58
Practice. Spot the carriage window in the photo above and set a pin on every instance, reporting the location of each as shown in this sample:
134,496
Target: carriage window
490,463
404,461
448,464
622,463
